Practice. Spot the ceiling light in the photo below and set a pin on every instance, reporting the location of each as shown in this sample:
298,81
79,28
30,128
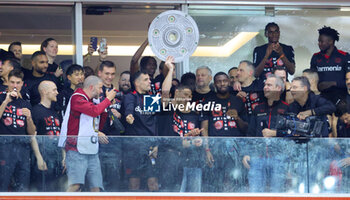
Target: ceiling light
345,9
225,50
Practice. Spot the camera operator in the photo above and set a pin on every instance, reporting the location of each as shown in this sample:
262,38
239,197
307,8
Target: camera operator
308,104
265,156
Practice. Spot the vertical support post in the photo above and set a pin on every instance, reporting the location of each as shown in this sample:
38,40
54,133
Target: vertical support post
78,33
183,67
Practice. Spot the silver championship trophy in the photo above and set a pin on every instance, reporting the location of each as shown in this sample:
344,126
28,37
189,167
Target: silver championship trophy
173,33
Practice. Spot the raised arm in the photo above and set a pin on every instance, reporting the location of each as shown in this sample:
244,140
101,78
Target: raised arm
134,64
288,59
4,103
169,64
80,104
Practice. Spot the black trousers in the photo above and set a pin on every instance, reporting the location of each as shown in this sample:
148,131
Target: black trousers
14,163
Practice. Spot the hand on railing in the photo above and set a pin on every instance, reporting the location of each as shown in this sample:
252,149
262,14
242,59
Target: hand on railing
153,152
245,161
41,164
209,158
102,138
63,162
269,133
197,142
344,162
194,132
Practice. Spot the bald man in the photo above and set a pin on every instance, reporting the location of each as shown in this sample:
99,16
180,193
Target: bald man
48,123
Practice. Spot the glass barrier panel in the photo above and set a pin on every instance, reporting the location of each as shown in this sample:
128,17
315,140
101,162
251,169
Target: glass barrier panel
328,165
175,164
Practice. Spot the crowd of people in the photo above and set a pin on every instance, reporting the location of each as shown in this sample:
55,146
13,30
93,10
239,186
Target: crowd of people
79,110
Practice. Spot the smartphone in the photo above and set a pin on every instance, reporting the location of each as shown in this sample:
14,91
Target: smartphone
103,44
93,42
15,90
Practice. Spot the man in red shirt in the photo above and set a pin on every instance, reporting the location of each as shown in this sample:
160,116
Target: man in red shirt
82,119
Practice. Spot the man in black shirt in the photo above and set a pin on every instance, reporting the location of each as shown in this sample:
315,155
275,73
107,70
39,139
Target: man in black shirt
107,72
160,77
203,79
182,123
202,91
8,64
331,65
148,65
343,112
16,49
343,121
347,82
189,79
263,157
46,119
139,123
230,121
273,54
32,81
76,77
286,95
111,153
16,119
251,89
124,82
233,75
342,146
312,76
48,126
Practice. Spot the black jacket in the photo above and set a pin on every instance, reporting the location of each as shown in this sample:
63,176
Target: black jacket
320,106
145,122
264,116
